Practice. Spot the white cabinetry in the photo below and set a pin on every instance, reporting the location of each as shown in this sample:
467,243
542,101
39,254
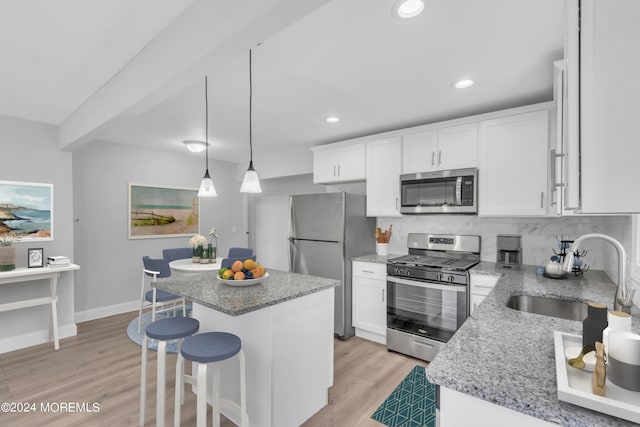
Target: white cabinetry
341,163
512,165
481,285
600,127
452,147
383,164
369,287
609,99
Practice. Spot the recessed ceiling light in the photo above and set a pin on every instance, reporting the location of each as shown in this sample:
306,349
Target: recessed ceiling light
195,146
407,8
332,119
463,84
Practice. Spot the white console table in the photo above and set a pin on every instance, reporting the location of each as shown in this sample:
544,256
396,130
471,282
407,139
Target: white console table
23,274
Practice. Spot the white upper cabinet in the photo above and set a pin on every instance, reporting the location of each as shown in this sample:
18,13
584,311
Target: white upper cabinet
343,163
601,99
512,165
458,146
384,162
419,151
452,147
609,106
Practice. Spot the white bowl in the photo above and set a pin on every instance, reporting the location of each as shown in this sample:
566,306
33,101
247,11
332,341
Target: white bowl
245,282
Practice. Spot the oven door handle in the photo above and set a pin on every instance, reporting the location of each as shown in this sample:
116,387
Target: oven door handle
427,285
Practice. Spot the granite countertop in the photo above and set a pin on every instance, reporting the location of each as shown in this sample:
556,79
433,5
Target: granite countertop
280,286
375,258
507,357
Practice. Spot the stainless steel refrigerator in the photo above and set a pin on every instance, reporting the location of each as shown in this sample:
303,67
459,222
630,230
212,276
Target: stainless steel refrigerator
325,231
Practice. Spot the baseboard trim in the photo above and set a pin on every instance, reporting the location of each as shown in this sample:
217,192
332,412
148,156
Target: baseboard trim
109,310
371,336
35,338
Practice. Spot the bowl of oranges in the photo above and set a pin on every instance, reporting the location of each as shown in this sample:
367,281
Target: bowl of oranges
242,273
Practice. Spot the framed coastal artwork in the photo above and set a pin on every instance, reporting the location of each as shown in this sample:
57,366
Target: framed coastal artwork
26,210
162,211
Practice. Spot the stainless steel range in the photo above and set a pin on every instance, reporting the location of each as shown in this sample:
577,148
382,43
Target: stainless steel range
428,292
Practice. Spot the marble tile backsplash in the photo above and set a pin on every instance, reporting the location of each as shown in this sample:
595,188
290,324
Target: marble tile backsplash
538,235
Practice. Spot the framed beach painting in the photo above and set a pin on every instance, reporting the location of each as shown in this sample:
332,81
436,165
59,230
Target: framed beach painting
162,211
26,210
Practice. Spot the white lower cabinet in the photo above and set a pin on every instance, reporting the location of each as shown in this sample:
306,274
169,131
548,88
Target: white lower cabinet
481,285
369,287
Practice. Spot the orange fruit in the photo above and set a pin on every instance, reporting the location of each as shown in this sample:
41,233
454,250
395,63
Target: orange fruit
250,264
261,269
238,276
236,266
256,272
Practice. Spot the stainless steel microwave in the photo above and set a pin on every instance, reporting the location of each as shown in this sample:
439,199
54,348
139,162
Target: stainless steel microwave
449,191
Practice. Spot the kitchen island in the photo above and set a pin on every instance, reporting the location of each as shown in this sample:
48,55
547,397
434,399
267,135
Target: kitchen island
501,365
286,327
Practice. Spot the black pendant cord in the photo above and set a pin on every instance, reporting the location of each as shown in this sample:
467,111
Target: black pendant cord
250,114
206,121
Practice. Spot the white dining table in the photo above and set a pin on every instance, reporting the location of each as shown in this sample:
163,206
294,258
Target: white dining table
187,266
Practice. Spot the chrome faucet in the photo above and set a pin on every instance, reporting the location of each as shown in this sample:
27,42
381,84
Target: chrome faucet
621,291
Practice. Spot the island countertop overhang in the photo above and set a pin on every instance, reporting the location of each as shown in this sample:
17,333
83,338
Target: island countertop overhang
280,286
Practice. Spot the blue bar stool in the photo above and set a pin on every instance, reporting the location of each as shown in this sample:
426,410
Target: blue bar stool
206,349
162,330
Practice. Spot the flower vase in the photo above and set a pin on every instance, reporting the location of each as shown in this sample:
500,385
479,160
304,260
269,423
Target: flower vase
212,252
197,253
7,258
204,259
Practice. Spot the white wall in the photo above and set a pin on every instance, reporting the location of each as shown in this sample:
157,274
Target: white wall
29,152
111,262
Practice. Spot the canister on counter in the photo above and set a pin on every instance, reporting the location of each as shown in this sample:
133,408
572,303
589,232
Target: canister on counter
623,359
594,324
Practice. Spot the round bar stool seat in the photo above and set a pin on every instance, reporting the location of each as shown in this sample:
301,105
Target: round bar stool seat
211,347
206,349
163,330
172,328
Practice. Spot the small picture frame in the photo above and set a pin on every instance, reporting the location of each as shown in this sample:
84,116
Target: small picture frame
35,257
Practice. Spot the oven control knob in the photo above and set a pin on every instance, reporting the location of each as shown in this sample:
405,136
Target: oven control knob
448,278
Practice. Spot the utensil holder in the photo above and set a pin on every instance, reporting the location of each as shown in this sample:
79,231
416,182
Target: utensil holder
382,248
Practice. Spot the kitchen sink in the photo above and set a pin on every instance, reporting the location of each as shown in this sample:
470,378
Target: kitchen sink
554,307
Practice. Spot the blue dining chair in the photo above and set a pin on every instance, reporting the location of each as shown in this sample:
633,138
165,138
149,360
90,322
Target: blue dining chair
154,269
237,254
173,254
243,253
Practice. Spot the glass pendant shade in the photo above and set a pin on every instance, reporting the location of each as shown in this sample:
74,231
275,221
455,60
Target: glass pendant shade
251,182
207,189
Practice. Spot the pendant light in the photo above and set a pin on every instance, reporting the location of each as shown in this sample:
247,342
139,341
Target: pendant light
250,182
207,189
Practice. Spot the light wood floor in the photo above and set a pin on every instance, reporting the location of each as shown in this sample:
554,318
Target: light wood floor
101,365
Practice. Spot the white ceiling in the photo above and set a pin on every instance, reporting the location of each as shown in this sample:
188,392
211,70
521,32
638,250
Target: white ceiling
348,58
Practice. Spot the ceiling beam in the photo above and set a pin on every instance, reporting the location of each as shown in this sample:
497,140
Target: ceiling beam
195,42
